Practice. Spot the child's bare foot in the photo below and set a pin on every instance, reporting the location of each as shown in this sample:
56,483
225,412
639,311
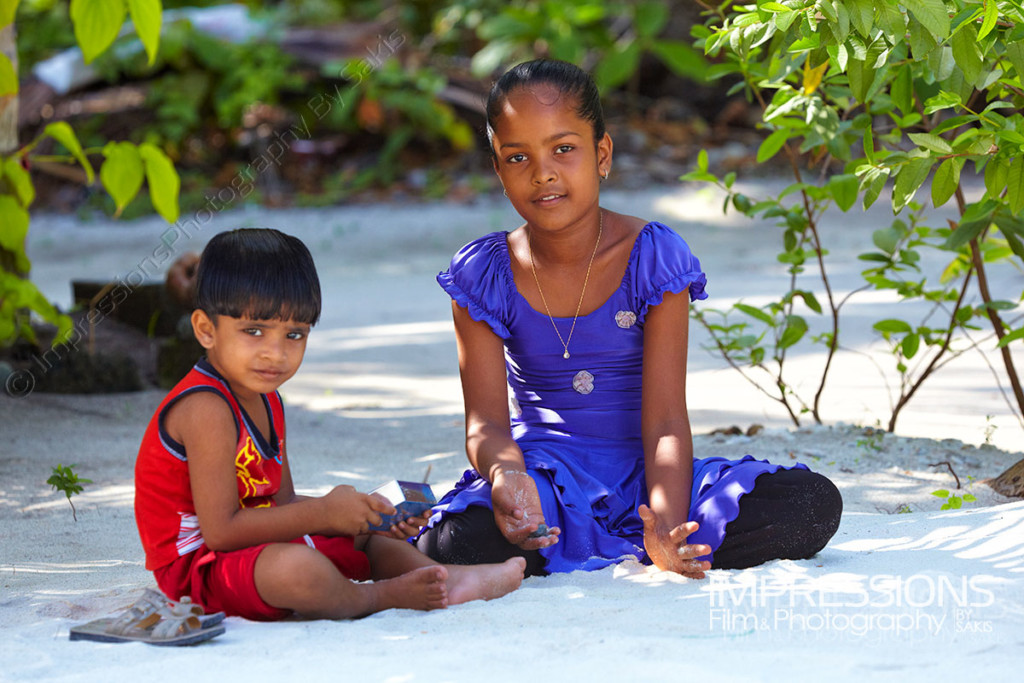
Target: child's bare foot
424,588
484,581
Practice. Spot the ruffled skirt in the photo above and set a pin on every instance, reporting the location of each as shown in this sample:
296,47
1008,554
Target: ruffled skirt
598,520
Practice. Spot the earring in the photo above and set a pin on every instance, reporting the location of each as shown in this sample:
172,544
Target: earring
605,175
505,191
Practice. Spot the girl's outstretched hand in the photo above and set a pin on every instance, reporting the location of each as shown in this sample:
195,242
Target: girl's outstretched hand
407,528
668,548
517,510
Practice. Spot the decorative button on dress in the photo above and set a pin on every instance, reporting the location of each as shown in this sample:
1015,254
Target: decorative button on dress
578,419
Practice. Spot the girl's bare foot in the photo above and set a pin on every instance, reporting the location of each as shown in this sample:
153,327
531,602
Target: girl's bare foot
424,588
484,581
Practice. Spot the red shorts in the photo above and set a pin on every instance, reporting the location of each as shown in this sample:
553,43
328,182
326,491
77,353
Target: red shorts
225,581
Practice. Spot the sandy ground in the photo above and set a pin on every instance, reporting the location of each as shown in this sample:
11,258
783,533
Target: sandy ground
910,596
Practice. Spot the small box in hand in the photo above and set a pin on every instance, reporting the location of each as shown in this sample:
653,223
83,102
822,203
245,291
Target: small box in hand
410,499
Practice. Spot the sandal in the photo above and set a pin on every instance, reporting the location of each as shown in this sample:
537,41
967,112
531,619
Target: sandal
155,620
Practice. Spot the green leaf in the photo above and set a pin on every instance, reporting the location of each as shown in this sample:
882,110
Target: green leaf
991,16
1011,337
810,300
941,493
862,16
796,328
909,346
8,77
8,8
1015,52
967,53
886,239
931,142
845,189
163,180
976,217
650,18
932,14
772,144
946,180
147,17
909,180
1015,185
754,313
875,183
902,89
969,497
15,221
893,325
682,59
1015,244
20,180
617,66
944,100
922,43
122,172
1010,225
996,173
890,20
783,20
860,76
869,145
62,133
97,23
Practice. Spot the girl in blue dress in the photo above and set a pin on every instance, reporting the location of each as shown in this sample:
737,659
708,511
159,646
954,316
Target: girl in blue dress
583,312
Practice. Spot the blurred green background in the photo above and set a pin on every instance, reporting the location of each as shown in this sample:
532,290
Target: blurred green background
315,102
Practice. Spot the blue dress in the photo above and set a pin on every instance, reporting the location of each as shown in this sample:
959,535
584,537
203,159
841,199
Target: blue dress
577,420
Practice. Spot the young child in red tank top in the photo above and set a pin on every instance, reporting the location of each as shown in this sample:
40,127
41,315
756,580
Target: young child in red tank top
215,505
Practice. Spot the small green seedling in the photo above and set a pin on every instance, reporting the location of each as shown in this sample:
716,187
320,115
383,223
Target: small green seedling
67,480
990,429
953,502
873,440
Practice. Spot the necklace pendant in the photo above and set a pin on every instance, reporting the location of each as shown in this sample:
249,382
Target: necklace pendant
565,355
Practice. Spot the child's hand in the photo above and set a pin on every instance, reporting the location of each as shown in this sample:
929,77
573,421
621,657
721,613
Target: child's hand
517,510
407,528
351,512
668,548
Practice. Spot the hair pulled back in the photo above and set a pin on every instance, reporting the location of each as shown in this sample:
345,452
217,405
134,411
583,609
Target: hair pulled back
568,79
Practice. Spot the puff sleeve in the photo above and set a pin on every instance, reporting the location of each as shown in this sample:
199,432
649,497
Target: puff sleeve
664,263
479,279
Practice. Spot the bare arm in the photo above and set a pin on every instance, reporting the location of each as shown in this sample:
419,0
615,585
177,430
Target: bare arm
203,423
489,445
667,440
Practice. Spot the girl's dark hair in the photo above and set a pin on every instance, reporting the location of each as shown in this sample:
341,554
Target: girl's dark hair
570,80
258,273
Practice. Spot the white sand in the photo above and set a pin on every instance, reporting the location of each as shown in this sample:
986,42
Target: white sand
913,596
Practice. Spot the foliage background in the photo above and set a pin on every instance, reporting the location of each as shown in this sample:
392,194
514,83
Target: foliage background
316,102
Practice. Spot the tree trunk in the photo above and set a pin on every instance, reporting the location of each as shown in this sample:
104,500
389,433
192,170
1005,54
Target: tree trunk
9,103
1011,482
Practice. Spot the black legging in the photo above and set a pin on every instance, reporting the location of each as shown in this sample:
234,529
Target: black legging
790,514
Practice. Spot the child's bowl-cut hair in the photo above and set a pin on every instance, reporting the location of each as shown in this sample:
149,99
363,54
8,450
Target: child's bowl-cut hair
258,273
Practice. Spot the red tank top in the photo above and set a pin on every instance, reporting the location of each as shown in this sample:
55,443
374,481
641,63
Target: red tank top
164,511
